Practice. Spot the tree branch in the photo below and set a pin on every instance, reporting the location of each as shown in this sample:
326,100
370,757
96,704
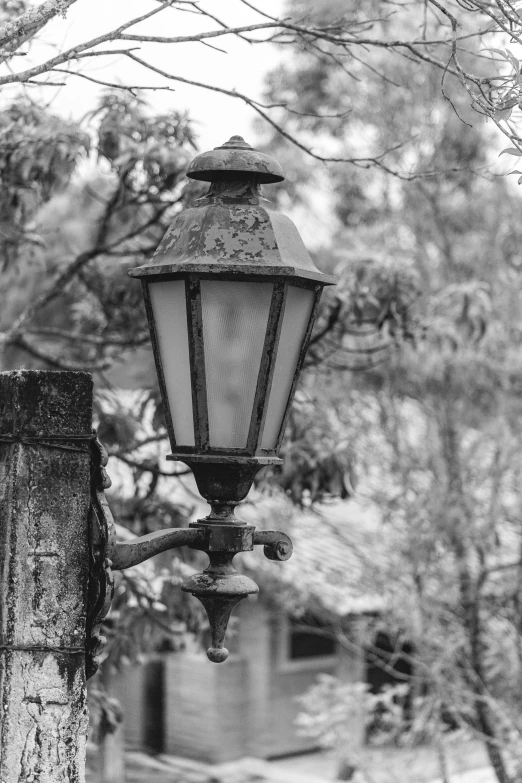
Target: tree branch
29,23
55,361
148,467
88,338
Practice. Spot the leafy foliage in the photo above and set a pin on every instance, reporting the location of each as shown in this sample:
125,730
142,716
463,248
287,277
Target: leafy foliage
88,230
38,155
151,148
335,713
435,327
317,459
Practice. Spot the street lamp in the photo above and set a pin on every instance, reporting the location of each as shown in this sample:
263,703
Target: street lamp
231,296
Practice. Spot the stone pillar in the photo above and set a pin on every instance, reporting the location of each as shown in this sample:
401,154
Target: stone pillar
44,565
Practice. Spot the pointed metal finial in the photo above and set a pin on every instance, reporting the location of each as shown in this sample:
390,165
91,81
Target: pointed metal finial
236,143
219,588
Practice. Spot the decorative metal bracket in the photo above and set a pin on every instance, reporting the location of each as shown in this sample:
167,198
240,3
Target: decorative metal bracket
220,587
101,535
221,536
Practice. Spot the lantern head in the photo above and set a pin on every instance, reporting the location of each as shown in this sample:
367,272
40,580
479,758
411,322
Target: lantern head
231,296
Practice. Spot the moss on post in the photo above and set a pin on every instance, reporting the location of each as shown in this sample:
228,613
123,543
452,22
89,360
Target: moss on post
44,563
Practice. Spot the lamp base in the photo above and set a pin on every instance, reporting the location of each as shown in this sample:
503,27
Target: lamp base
224,478
219,588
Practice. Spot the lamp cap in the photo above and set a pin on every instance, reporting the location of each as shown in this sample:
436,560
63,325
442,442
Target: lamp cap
236,156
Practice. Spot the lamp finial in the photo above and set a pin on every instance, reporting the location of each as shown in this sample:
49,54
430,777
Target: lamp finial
235,156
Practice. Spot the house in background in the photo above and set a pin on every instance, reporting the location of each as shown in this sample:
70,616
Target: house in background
181,704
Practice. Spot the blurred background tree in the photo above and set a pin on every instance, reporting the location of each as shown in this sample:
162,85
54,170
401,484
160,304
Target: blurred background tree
429,308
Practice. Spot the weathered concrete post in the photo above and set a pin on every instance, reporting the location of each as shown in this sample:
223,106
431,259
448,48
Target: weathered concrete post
44,564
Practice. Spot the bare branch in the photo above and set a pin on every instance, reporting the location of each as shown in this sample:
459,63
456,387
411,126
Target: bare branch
91,339
198,36
67,274
112,85
301,32
81,50
56,361
27,24
147,466
364,162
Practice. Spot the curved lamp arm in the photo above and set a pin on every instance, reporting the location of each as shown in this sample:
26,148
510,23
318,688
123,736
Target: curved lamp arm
125,554
277,546
221,536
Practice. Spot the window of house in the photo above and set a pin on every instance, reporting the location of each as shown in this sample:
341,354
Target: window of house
309,637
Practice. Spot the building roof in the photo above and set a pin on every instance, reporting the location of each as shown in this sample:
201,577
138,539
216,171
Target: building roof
336,550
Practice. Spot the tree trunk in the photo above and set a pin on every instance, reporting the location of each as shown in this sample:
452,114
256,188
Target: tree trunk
442,757
469,594
44,567
485,718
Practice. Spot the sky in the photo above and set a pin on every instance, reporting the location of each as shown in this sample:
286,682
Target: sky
241,67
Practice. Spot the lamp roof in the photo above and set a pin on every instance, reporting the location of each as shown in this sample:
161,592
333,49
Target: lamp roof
233,230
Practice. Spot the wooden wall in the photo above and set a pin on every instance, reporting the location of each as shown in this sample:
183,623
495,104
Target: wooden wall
141,693
289,679
205,708
244,707
127,687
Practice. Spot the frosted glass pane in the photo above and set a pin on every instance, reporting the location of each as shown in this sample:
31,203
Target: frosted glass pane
298,308
235,318
170,316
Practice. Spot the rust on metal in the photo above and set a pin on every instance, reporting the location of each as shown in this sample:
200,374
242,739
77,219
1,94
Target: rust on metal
158,362
221,536
233,229
267,367
235,156
232,233
125,554
197,363
277,546
225,480
223,455
299,366
219,588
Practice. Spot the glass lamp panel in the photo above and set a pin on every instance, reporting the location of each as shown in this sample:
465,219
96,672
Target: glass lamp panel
298,309
235,318
170,318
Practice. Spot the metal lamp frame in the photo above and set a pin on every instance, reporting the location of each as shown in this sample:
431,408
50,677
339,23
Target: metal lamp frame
230,236
202,451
